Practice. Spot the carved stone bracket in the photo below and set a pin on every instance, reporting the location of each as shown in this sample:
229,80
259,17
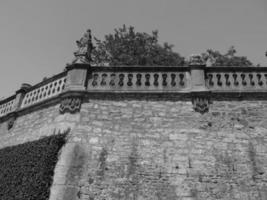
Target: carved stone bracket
201,103
70,104
10,122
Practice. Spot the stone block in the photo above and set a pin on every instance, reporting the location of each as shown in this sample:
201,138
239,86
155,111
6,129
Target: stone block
62,192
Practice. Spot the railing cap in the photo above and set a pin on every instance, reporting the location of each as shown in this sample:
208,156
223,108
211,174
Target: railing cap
7,99
77,66
235,69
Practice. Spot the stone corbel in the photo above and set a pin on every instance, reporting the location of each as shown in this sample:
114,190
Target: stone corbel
201,103
70,105
11,121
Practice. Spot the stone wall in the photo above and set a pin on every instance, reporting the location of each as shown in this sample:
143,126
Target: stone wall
34,125
164,150
154,149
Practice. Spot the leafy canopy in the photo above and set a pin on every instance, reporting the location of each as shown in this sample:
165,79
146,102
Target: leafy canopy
228,59
128,47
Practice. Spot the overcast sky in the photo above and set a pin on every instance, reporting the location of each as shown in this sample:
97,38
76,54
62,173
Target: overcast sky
37,37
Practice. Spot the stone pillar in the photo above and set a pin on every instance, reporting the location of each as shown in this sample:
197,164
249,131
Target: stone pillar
20,95
76,77
16,106
71,98
197,70
199,92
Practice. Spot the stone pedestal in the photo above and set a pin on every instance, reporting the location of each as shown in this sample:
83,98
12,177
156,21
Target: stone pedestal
76,77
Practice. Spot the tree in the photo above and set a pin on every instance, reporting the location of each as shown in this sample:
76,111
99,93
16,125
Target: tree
229,59
128,47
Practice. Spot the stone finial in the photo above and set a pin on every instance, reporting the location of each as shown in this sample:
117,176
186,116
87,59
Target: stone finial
196,59
85,46
25,86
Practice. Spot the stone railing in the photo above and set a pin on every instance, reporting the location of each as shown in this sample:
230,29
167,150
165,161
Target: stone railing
196,81
44,90
28,95
236,79
7,105
139,79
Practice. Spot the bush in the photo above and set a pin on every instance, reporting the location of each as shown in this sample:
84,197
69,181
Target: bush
26,170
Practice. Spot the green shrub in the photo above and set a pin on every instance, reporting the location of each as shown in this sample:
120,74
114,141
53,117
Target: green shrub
26,170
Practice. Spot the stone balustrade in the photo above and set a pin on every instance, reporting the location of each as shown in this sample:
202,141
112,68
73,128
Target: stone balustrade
44,90
7,106
28,95
139,79
196,81
236,79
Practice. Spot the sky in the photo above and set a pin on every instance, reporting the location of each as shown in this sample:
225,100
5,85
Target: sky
37,37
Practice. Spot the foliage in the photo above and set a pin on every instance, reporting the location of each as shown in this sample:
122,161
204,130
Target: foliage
228,59
128,47
26,170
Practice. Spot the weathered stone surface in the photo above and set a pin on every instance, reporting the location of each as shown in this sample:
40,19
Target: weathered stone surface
139,149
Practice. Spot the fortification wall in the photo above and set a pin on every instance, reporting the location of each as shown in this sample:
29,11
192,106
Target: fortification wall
149,133
33,126
164,150
157,149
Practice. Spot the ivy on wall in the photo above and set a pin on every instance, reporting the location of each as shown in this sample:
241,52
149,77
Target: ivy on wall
26,170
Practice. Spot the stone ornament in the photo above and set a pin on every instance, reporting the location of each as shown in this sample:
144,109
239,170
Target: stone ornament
70,105
85,46
196,59
201,104
10,123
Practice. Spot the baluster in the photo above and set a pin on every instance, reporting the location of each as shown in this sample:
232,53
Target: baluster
227,82
181,82
265,75
251,79
243,76
130,78
259,80
103,81
112,79
41,92
235,79
121,77
156,77
164,79
94,82
138,81
210,77
53,90
147,83
173,83
219,82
